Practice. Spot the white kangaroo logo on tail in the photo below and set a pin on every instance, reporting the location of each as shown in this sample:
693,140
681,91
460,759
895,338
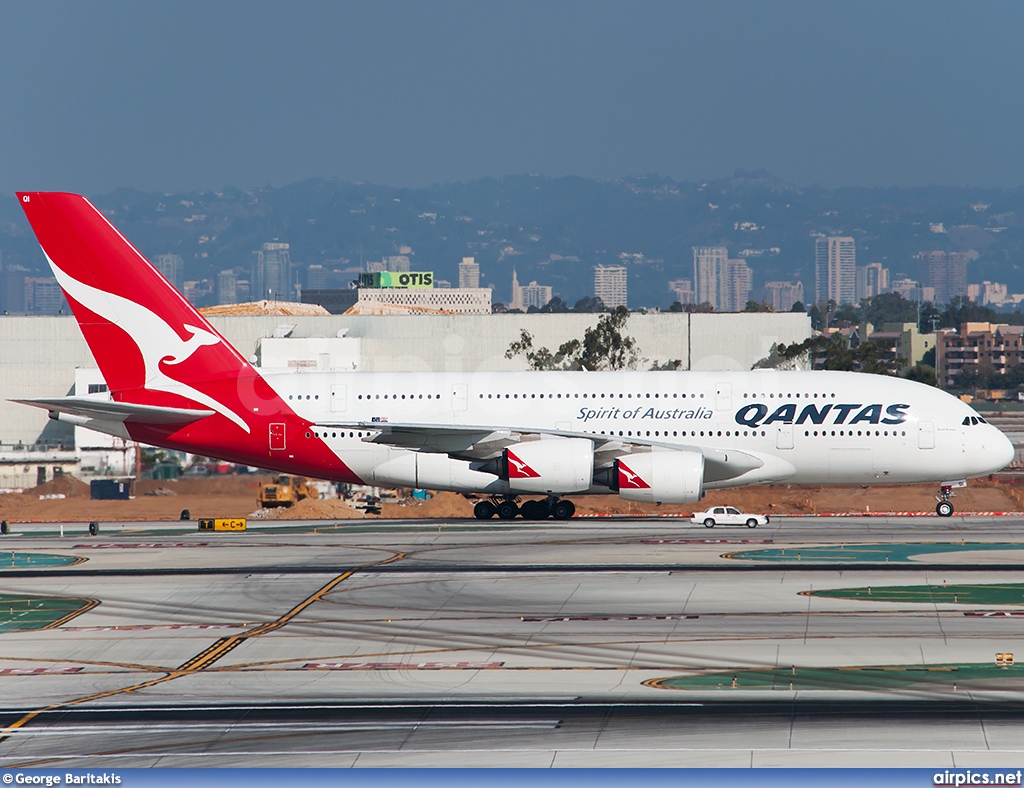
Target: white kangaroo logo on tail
156,340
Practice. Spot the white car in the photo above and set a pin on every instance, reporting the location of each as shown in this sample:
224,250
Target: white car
728,515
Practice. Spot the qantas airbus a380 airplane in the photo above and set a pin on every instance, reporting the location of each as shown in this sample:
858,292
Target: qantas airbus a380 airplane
649,436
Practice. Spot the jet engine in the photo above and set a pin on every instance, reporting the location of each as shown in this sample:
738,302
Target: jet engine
659,477
550,465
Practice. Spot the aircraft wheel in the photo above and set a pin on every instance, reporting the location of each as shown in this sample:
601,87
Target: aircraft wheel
507,510
484,510
534,510
944,509
751,523
709,523
563,510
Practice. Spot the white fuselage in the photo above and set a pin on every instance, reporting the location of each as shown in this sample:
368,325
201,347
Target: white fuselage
805,427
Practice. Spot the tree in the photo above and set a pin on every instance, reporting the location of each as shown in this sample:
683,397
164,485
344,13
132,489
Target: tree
833,351
589,304
888,308
962,310
555,305
604,346
923,373
758,306
798,306
817,320
930,318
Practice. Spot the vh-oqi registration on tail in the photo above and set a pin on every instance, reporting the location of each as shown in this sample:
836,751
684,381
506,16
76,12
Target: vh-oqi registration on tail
667,437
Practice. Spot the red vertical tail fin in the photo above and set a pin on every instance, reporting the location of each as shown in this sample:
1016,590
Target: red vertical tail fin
155,349
151,344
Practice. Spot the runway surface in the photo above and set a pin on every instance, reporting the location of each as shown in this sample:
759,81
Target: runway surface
634,642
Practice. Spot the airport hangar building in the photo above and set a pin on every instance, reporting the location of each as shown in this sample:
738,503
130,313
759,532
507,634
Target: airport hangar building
47,357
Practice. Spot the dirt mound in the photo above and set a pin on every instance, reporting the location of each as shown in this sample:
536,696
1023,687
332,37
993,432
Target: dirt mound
235,496
311,509
443,504
227,484
68,486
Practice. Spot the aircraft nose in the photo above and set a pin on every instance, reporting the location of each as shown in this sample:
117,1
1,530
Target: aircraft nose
1002,452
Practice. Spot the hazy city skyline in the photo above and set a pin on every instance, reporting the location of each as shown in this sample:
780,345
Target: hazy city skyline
171,96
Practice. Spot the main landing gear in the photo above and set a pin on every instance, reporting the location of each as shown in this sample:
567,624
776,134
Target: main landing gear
507,509
944,507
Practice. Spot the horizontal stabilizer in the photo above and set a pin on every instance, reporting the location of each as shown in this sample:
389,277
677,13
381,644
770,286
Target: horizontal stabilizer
108,410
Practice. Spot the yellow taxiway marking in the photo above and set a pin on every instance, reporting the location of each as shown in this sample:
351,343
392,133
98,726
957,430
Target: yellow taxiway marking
206,657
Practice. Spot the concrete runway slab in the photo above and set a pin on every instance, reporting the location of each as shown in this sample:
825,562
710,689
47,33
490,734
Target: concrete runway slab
426,643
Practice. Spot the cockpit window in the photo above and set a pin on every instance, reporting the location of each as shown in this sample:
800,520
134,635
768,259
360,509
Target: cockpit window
967,421
971,421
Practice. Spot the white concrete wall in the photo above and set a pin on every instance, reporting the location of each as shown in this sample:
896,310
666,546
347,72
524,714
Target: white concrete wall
38,355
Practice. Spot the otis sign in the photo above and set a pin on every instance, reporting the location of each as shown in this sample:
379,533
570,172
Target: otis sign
847,413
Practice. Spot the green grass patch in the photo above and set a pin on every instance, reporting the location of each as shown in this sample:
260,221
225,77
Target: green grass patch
867,553
13,560
882,677
956,594
21,613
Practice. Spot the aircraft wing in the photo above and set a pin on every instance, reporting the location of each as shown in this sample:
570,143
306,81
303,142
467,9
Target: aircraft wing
485,443
108,410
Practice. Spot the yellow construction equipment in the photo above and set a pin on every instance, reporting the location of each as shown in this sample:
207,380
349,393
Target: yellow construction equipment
285,490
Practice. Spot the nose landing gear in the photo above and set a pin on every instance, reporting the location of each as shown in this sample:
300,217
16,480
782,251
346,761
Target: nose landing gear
944,507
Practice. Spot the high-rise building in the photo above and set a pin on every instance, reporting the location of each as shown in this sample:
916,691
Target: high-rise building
610,285
782,295
517,293
469,273
272,272
708,262
872,280
43,295
946,272
988,293
316,277
734,286
912,290
12,287
835,270
227,287
682,291
396,263
534,294
172,267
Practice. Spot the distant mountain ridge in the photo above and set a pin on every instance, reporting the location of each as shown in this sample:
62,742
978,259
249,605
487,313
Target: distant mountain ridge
554,230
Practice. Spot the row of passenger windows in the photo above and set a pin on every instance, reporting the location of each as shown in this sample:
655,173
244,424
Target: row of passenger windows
789,396
325,434
566,396
677,433
849,433
592,396
399,396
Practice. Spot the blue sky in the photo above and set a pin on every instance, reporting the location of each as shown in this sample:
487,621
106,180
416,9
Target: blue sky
184,95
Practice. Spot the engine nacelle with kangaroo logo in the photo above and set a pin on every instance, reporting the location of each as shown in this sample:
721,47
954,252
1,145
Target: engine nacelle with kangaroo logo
551,465
660,476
